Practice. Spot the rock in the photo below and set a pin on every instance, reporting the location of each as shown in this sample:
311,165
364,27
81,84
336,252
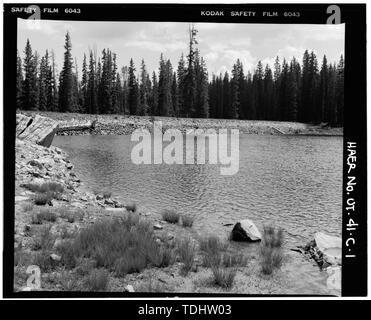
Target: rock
99,197
35,163
21,198
109,202
39,130
330,247
55,257
245,230
27,289
129,288
116,210
157,226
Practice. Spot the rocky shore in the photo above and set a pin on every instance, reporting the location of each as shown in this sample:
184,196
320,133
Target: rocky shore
121,125
41,227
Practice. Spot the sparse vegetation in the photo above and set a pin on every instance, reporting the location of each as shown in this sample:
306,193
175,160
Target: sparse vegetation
26,207
41,199
51,187
107,194
187,221
223,277
131,207
186,252
46,214
170,216
124,245
44,240
151,286
211,248
233,260
97,280
271,255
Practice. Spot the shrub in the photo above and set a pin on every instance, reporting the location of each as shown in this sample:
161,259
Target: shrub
67,252
187,221
45,240
107,194
52,187
233,260
272,237
123,245
131,207
97,280
27,207
151,286
22,257
170,216
271,255
41,199
186,253
211,248
36,219
43,260
46,215
223,277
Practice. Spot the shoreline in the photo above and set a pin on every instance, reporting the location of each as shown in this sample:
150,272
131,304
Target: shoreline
111,124
37,164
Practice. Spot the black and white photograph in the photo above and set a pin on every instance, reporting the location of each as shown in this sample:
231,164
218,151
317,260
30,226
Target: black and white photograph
180,158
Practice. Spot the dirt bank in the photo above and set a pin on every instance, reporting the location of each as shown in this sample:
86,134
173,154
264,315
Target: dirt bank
119,124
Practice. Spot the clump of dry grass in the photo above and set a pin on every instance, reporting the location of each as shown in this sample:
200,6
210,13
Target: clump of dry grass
97,280
187,221
124,245
223,277
271,255
186,251
170,216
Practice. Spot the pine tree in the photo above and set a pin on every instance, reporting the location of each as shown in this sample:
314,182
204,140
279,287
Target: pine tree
29,88
133,98
84,86
66,86
340,91
92,87
143,91
154,95
19,81
181,74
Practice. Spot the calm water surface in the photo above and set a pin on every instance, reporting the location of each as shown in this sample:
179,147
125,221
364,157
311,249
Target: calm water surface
290,181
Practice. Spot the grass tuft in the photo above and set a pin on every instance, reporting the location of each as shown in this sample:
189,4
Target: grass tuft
223,277
187,221
170,216
97,280
123,245
271,255
186,252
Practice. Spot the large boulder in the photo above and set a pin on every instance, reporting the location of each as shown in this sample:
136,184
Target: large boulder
245,230
330,247
40,130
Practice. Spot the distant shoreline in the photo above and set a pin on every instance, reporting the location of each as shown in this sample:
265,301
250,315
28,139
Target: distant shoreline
111,124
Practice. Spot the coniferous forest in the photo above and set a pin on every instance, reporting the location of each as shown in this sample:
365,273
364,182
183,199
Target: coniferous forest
309,90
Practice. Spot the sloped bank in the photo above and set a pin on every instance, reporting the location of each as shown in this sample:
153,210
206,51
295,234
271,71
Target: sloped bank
122,124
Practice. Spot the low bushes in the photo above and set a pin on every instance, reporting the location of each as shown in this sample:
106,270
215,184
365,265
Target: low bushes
186,252
271,255
187,221
124,245
170,216
223,277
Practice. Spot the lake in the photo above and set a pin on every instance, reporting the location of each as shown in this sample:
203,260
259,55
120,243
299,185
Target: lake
294,182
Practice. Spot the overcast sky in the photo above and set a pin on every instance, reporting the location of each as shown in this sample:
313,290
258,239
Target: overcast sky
220,44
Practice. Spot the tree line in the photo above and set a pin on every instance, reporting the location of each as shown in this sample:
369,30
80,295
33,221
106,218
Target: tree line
292,91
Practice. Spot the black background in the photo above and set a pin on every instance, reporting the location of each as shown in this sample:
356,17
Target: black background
354,272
